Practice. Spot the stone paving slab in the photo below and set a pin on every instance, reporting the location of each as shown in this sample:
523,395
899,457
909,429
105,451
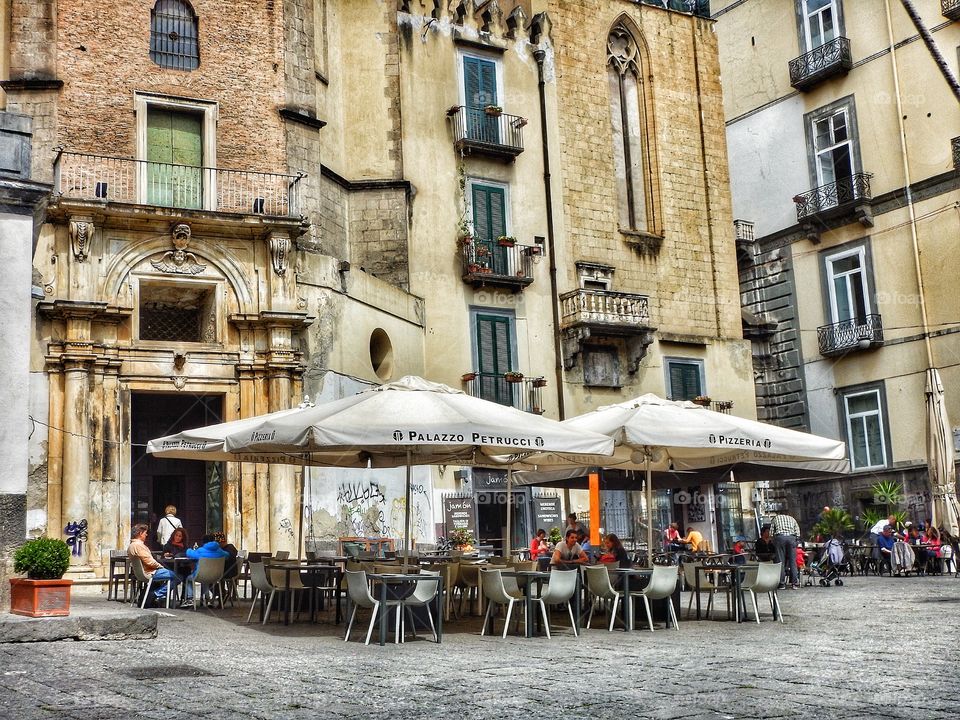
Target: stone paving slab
91,618
875,648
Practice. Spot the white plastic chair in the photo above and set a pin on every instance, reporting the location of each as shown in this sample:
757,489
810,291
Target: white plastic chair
423,595
764,578
706,585
496,594
662,584
279,579
599,585
140,575
261,583
209,573
359,593
562,586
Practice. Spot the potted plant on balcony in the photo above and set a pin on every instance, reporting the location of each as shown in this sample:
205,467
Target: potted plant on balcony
468,377
493,110
473,268
513,377
703,400
453,110
539,382
533,250
506,241
44,592
520,122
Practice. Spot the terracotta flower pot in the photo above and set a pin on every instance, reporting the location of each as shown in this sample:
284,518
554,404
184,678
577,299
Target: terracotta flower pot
40,598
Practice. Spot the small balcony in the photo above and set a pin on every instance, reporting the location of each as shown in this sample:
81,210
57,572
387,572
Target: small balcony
834,199
100,178
849,335
611,313
831,58
950,9
512,388
487,131
498,263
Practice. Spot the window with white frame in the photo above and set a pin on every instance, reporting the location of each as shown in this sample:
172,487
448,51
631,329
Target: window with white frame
820,20
833,147
847,287
865,426
684,378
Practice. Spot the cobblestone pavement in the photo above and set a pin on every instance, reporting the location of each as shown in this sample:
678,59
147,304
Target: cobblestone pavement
877,647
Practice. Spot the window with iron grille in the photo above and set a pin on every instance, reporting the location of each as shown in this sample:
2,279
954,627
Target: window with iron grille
177,313
173,35
169,322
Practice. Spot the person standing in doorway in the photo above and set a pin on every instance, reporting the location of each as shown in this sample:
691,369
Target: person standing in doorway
786,533
168,523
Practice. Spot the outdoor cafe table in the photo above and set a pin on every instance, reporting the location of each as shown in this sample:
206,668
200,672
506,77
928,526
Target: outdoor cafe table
386,579
181,566
308,566
627,574
735,572
539,577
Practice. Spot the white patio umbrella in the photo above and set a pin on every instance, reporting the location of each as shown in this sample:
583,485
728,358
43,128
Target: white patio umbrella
416,422
656,434
940,458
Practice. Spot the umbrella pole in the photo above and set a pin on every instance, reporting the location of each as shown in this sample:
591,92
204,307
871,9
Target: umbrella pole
406,518
303,485
508,542
646,462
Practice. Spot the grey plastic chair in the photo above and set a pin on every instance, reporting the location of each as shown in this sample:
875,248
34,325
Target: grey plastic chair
261,583
599,585
359,593
662,584
140,576
491,581
764,578
706,585
562,586
209,574
423,595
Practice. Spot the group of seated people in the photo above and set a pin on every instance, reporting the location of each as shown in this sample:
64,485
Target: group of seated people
213,545
925,541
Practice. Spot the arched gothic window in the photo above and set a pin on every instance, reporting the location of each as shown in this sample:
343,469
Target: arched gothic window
173,35
632,137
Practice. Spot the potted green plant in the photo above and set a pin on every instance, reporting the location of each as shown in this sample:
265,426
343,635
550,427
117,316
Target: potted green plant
554,536
506,241
835,521
44,592
493,110
462,540
513,376
703,400
540,382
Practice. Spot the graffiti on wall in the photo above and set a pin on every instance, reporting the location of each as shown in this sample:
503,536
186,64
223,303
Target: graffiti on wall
365,510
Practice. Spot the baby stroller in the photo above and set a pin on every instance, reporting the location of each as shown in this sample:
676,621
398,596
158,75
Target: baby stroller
827,568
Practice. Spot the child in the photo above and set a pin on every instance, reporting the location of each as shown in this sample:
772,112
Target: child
801,559
739,550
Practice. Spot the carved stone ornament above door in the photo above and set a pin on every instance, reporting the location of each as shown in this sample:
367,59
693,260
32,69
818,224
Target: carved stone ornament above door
178,260
81,237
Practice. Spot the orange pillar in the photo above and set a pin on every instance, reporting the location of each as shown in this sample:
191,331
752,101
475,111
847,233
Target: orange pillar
594,479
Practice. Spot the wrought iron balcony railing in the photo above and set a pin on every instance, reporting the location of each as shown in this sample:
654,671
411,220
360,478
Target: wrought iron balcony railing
831,58
513,389
836,195
604,307
83,176
950,9
495,262
955,146
487,131
848,335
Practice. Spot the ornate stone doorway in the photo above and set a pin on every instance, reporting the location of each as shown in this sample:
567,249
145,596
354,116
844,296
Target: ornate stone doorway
194,487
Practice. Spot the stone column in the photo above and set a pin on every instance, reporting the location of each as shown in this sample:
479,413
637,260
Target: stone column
76,451
284,507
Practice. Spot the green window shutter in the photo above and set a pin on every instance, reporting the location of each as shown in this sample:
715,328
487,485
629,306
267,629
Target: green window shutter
494,357
489,216
479,82
684,381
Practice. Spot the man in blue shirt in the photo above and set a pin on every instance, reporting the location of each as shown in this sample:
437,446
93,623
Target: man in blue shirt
209,548
885,543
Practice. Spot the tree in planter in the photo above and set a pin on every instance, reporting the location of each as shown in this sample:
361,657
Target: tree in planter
43,593
835,521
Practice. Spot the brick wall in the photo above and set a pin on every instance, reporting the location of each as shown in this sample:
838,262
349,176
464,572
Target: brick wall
692,279
103,57
378,234
33,37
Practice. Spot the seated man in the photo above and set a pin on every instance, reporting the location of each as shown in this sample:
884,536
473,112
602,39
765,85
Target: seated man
209,548
885,543
153,570
693,538
763,548
584,541
569,552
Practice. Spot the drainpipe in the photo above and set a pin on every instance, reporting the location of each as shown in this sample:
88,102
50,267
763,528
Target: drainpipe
540,56
906,172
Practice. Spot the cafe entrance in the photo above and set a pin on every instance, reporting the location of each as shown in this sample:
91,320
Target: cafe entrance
194,487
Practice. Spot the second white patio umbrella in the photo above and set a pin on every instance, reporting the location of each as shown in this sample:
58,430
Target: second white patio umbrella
416,422
940,459
656,434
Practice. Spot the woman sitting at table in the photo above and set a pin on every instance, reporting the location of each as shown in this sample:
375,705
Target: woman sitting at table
538,545
763,548
177,544
615,552
209,548
231,562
